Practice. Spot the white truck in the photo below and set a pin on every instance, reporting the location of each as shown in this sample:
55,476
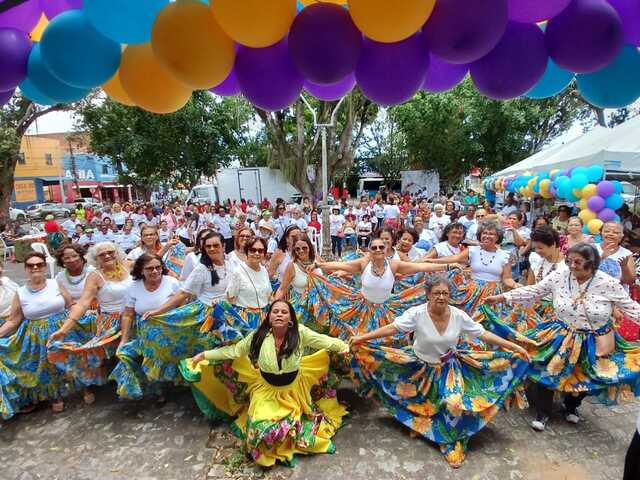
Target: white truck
248,183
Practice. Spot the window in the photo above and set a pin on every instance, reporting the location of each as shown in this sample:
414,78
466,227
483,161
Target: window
48,158
21,159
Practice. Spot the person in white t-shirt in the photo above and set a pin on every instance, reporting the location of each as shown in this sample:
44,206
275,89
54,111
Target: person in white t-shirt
299,220
336,221
616,260
438,220
364,229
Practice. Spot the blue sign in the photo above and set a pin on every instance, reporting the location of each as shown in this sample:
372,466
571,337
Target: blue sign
90,168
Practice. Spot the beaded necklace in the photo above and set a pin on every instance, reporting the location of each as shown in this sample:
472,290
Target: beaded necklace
582,294
81,277
482,260
384,269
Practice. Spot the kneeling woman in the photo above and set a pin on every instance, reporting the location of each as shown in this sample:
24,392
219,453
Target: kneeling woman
266,385
445,395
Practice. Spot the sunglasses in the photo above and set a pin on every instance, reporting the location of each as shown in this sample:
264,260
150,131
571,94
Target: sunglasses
153,268
375,248
245,236
301,249
108,253
212,246
440,294
258,251
35,266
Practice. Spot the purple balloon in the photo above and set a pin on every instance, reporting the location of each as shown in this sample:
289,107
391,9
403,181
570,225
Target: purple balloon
443,76
606,215
391,73
629,12
585,37
534,11
6,96
606,188
323,54
229,85
267,76
15,47
24,17
332,91
459,31
52,8
515,65
595,203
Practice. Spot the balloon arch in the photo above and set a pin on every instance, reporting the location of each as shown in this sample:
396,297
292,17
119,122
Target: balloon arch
155,53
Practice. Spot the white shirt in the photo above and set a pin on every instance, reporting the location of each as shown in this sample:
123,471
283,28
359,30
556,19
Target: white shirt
74,284
445,249
611,264
233,260
248,288
541,267
280,224
428,344
42,303
437,224
301,223
8,290
191,260
465,222
142,300
69,225
103,237
119,218
335,224
487,266
199,283
391,212
86,240
272,245
127,241
164,235
509,209
364,228
223,227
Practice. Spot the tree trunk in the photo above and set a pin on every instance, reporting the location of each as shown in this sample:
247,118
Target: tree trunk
7,171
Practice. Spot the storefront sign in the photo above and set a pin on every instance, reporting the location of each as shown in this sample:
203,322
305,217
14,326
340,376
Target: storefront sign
25,190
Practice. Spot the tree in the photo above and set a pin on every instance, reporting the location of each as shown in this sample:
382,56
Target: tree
15,119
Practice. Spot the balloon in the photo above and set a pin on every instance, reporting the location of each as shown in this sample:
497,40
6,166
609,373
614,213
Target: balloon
23,17
597,238
594,226
545,184
6,96
554,81
579,170
617,219
321,54
582,204
564,182
579,181
383,22
333,91
124,21
148,83
585,37
52,8
616,85
315,2
391,73
595,203
36,33
589,191
571,197
49,86
255,23
15,47
267,76
606,188
229,85
534,11
189,43
460,31
586,216
553,172
595,173
442,76
617,185
116,92
76,53
30,91
606,215
614,202
515,65
585,230
629,11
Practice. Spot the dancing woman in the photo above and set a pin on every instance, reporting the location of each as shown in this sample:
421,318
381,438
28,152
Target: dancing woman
237,255
281,258
173,252
579,353
8,290
450,242
444,394
277,398
75,270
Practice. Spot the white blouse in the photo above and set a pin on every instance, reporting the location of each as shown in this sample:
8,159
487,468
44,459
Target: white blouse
445,249
42,303
190,261
142,300
428,344
487,266
600,295
248,288
8,290
199,283
75,284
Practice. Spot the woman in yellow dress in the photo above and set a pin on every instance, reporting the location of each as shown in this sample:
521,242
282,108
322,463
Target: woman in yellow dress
277,400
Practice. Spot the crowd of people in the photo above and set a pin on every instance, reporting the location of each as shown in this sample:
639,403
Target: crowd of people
444,309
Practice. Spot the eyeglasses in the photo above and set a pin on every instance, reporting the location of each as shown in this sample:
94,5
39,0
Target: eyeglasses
35,266
153,268
258,251
375,248
245,236
147,235
575,262
108,253
213,246
440,294
302,249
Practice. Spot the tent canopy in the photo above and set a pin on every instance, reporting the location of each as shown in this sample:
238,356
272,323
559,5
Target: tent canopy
616,149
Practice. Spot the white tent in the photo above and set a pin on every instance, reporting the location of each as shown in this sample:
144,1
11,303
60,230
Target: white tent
616,149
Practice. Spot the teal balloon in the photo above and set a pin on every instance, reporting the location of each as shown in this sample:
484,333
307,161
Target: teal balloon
554,81
597,238
580,170
618,186
614,201
595,173
47,84
76,53
125,21
579,181
616,85
30,91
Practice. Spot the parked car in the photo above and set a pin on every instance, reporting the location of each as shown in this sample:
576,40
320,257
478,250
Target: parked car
86,202
630,193
39,211
17,214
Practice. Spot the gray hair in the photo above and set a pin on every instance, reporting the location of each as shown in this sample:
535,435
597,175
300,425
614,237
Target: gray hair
438,205
491,225
92,255
434,280
589,253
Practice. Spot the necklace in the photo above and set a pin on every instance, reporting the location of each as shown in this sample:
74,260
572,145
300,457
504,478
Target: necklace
116,274
579,299
80,278
378,274
490,261
36,290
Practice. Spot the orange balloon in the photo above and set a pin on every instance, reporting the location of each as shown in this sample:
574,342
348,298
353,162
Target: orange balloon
255,23
38,30
389,22
113,88
148,83
311,2
189,42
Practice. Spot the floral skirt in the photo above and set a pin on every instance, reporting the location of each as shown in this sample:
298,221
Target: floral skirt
564,359
174,259
446,403
275,423
82,353
238,321
26,376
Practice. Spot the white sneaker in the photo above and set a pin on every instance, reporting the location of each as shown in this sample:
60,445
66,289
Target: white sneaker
572,418
539,424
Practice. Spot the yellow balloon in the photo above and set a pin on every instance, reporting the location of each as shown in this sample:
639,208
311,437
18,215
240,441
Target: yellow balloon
577,193
545,184
532,182
390,22
113,88
583,204
38,30
545,194
255,23
589,191
587,215
189,42
553,172
594,226
148,83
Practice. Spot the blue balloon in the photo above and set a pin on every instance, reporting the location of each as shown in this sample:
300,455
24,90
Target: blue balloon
572,198
76,53
580,170
595,173
124,21
564,184
30,91
585,230
614,202
617,219
554,81
618,185
616,85
579,180
597,238
48,85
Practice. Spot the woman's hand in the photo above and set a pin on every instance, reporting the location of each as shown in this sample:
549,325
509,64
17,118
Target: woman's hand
356,340
196,359
493,299
520,352
57,335
149,314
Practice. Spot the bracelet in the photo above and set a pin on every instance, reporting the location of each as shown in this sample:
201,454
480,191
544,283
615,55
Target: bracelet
448,267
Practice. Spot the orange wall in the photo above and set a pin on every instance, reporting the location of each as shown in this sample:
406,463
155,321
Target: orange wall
34,148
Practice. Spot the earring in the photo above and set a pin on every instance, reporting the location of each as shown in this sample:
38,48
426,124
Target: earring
290,324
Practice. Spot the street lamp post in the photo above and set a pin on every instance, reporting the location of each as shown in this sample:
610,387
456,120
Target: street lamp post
326,236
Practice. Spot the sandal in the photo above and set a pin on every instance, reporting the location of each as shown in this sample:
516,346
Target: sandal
89,397
57,406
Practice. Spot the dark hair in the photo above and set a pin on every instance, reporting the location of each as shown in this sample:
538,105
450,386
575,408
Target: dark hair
291,339
434,280
312,251
547,235
411,232
522,218
282,244
237,235
539,217
204,258
33,254
138,267
491,225
197,248
79,249
589,253
390,231
253,241
451,226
